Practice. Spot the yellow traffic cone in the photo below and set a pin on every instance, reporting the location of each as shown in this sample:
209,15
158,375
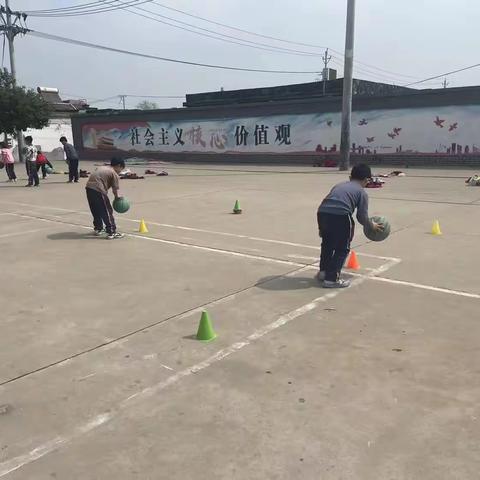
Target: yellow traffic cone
143,227
436,228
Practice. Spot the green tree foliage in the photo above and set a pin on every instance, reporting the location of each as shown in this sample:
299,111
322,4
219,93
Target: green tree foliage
146,105
20,108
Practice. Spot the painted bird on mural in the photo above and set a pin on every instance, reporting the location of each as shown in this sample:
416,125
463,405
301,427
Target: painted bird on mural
391,135
439,122
397,130
370,139
453,127
362,122
329,123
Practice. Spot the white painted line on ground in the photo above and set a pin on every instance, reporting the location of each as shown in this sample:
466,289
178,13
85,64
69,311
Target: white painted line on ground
200,230
20,461
17,234
302,257
420,286
179,244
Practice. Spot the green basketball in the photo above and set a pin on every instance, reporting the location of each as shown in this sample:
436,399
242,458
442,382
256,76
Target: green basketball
49,169
121,205
377,236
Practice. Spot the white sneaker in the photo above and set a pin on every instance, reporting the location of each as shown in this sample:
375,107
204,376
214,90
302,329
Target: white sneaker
338,284
98,233
114,236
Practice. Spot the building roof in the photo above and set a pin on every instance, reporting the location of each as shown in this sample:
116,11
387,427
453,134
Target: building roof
52,96
299,91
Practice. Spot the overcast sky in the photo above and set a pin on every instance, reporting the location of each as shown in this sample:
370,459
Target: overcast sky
418,38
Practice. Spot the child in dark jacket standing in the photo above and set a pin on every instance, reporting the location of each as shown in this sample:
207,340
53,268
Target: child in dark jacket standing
336,225
71,156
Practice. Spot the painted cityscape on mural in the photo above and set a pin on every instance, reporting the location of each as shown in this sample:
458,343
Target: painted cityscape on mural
451,130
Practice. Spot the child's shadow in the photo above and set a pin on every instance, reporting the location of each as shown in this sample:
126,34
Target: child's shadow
287,283
71,236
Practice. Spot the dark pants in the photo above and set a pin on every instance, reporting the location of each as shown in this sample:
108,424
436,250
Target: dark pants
102,211
32,173
44,170
73,169
337,233
10,169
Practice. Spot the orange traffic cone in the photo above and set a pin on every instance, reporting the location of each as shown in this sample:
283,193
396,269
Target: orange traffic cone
353,263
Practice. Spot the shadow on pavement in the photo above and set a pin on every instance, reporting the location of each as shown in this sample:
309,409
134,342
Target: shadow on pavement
72,236
287,283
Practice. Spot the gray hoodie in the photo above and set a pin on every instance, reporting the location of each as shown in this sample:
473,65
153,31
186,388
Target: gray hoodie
344,198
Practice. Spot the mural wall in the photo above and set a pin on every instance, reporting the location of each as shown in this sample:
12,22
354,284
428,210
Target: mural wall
452,129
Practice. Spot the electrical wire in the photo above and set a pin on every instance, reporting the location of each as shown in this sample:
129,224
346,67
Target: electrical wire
3,51
443,75
236,28
281,49
274,49
107,6
249,32
71,41
71,7
81,10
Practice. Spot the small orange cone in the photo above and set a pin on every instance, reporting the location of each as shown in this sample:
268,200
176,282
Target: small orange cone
353,263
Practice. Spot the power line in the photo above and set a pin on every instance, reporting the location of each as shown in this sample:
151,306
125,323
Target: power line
85,9
249,32
444,74
71,7
271,48
236,28
107,6
156,96
57,38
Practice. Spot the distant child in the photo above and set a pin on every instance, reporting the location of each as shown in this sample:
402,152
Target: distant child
42,162
98,184
336,225
72,160
31,162
9,161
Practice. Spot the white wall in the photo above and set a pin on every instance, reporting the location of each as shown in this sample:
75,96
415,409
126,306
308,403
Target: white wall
47,138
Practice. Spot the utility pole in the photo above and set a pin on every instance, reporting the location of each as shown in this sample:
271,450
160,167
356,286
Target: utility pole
122,100
345,142
445,83
11,30
326,60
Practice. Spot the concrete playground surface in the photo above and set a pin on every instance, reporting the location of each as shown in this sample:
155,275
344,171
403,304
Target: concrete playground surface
101,376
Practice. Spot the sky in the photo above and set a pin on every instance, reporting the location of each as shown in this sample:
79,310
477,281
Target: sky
409,39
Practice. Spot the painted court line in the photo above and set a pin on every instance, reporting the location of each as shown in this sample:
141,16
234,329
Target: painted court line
171,242
421,286
200,230
50,446
16,234
372,276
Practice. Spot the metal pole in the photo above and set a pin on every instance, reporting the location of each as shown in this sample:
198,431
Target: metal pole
13,71
345,143
325,66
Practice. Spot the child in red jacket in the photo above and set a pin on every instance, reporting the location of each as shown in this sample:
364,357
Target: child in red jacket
42,162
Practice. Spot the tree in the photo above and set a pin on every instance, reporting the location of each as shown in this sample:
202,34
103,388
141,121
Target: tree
146,105
20,108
